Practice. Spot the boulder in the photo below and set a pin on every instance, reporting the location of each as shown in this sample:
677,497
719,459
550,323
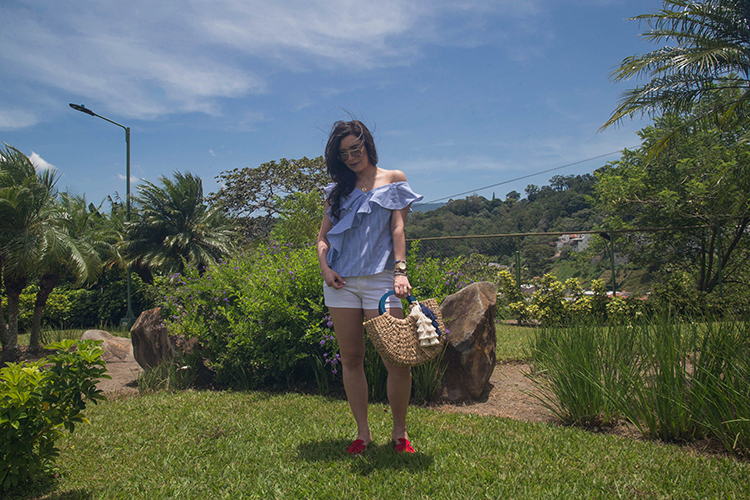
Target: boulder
116,349
469,357
122,368
150,337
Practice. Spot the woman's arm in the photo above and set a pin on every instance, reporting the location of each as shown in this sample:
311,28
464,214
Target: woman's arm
330,276
398,219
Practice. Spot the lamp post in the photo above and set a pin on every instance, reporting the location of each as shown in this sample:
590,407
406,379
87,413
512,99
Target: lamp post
129,318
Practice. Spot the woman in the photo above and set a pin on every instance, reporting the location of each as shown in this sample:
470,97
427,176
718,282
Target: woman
362,254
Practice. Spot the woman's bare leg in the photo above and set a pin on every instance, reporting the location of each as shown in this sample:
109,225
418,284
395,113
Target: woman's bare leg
347,323
399,387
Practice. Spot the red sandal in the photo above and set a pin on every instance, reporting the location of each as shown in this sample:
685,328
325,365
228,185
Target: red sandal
404,446
357,447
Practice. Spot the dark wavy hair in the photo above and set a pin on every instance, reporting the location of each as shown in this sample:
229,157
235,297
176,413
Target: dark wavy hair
337,169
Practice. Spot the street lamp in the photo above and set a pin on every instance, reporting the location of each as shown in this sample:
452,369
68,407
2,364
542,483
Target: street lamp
129,318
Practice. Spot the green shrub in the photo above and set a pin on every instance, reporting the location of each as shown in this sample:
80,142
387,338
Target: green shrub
376,373
554,303
39,401
623,310
426,378
549,299
507,288
259,317
678,297
103,304
107,302
57,312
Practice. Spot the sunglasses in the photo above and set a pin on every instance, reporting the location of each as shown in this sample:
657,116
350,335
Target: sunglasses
355,152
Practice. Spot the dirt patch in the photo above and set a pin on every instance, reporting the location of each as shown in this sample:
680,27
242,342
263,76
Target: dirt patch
510,392
510,395
124,379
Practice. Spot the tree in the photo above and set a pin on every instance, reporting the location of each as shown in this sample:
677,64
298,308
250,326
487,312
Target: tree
75,240
26,198
253,194
174,225
559,182
532,191
701,179
299,218
711,56
513,196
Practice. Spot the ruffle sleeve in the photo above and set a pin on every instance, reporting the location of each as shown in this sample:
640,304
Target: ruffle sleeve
394,196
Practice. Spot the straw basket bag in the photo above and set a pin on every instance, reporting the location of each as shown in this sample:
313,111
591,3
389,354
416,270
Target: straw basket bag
398,340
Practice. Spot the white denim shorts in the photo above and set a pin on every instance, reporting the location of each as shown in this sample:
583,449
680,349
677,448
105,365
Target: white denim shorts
362,292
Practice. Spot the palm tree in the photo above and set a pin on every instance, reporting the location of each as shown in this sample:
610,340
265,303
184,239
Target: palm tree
712,55
25,205
75,239
174,225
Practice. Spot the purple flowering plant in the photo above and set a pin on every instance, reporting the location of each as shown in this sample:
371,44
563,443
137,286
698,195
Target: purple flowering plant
331,356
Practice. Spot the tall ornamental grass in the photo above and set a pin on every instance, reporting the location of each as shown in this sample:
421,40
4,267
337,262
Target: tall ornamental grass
660,400
573,367
675,381
722,382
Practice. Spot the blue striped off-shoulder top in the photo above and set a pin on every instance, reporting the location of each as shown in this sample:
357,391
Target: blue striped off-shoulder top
360,240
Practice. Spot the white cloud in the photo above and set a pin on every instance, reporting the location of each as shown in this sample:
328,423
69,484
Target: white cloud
16,119
146,59
40,163
134,179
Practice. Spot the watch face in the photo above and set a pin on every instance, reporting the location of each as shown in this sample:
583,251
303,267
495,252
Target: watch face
400,266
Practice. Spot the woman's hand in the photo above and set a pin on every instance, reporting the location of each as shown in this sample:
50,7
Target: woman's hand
401,286
333,279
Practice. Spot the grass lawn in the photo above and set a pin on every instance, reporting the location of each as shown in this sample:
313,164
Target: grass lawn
210,445
48,336
254,445
513,342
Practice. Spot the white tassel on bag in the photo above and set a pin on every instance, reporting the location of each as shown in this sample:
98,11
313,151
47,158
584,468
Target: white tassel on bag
426,332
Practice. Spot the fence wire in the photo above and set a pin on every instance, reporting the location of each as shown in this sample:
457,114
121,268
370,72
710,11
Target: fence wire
518,251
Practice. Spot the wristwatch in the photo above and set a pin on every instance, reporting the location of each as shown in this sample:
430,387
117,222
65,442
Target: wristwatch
399,266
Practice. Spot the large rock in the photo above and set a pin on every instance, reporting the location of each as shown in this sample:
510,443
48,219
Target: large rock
122,367
116,349
151,343
469,358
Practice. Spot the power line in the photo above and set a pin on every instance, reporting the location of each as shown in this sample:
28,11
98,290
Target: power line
522,177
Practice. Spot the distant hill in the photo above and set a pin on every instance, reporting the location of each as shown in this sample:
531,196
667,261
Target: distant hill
426,207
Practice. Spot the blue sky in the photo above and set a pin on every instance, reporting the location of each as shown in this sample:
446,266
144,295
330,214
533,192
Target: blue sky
459,94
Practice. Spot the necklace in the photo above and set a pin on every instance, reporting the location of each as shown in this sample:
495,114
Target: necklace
369,181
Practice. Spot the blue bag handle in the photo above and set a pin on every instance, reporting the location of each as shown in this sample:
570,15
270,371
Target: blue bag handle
381,308
411,298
